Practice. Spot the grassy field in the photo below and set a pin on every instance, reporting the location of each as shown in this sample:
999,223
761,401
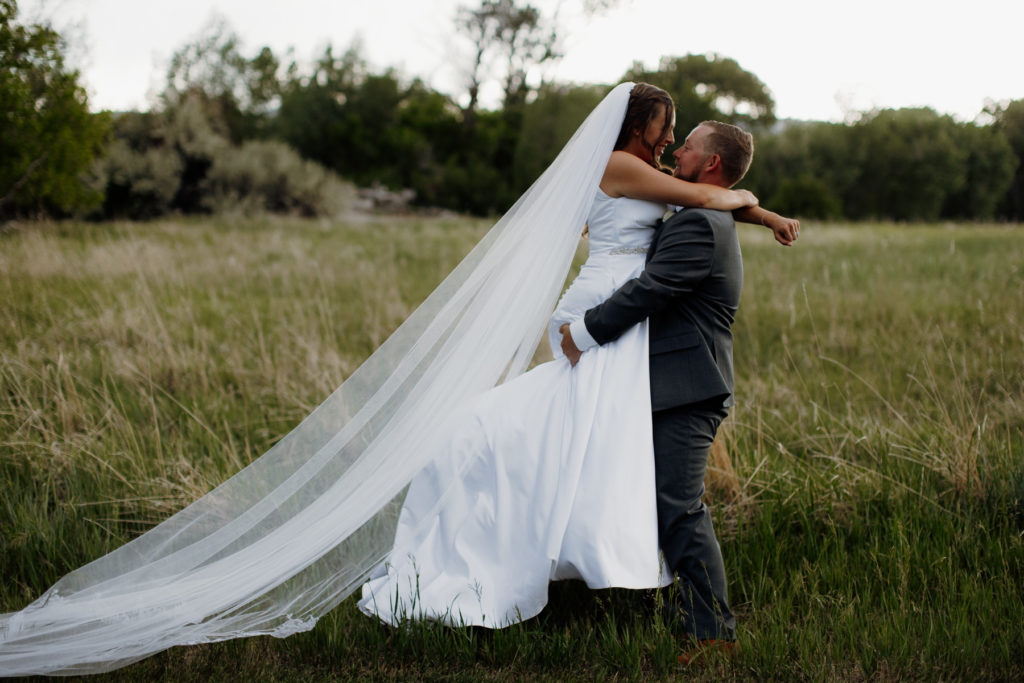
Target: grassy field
868,487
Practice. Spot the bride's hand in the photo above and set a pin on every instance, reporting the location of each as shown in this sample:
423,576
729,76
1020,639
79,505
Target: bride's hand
786,230
746,197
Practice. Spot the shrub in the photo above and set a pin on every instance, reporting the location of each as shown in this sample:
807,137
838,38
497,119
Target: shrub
269,176
138,183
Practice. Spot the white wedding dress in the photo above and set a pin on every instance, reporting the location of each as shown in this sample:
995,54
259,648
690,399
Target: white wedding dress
549,476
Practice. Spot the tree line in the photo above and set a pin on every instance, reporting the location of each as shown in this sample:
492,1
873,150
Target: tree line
251,133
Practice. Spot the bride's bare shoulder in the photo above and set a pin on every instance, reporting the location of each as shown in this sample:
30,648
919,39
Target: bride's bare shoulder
620,157
622,173
625,163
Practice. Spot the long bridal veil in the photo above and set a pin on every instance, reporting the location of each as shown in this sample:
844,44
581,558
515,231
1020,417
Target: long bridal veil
294,533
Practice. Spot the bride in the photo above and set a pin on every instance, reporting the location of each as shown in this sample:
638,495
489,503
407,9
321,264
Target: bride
507,489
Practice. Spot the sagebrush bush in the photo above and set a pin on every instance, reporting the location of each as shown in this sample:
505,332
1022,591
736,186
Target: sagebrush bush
269,176
138,184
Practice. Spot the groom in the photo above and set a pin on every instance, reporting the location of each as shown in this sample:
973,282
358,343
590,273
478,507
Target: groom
690,289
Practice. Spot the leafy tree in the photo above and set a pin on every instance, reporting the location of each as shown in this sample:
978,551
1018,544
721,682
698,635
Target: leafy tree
519,38
990,167
344,117
807,196
709,87
912,162
307,121
905,164
548,123
429,134
480,174
238,91
1009,121
367,123
311,105
510,42
372,128
48,138
785,162
215,99
515,33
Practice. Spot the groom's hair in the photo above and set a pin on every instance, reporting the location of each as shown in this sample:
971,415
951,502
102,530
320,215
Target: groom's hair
644,101
733,145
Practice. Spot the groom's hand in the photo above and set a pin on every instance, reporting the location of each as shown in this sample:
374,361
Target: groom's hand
569,346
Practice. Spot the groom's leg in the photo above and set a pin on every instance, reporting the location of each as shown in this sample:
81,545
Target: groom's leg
682,440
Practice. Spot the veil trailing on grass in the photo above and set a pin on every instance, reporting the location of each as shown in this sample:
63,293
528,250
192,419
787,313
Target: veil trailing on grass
289,537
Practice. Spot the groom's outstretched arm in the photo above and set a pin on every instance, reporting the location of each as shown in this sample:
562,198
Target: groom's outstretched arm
683,258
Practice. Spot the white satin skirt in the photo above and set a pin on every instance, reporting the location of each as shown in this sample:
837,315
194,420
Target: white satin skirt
547,477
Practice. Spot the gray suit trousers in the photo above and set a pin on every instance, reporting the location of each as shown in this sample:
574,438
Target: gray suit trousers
682,441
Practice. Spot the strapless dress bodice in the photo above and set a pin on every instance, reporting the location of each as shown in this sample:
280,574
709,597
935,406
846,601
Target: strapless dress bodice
620,230
621,223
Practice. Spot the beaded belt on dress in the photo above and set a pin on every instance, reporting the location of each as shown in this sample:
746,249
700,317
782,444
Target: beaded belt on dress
627,250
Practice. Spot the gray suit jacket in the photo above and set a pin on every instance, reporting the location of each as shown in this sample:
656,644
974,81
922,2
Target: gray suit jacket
690,290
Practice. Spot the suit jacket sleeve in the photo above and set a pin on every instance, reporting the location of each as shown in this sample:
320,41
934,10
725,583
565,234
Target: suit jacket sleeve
682,258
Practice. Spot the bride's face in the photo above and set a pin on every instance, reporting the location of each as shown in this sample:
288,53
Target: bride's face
653,135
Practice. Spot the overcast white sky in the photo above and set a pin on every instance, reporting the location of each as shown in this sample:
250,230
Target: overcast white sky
819,58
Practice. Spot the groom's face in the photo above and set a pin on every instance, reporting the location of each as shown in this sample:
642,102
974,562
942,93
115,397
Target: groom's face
690,156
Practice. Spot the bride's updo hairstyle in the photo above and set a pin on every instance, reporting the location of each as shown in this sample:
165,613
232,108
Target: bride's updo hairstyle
645,101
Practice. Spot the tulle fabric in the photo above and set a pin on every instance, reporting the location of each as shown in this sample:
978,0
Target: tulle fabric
286,539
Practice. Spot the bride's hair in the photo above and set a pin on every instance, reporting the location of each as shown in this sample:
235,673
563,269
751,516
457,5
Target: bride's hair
644,102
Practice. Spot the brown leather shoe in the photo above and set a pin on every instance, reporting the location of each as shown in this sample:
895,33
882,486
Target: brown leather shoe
702,649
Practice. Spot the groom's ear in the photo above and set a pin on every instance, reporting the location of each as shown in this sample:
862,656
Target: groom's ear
714,163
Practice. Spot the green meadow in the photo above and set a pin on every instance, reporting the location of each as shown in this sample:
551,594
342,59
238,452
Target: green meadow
868,488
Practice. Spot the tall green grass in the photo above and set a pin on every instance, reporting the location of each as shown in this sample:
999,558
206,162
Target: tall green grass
868,487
